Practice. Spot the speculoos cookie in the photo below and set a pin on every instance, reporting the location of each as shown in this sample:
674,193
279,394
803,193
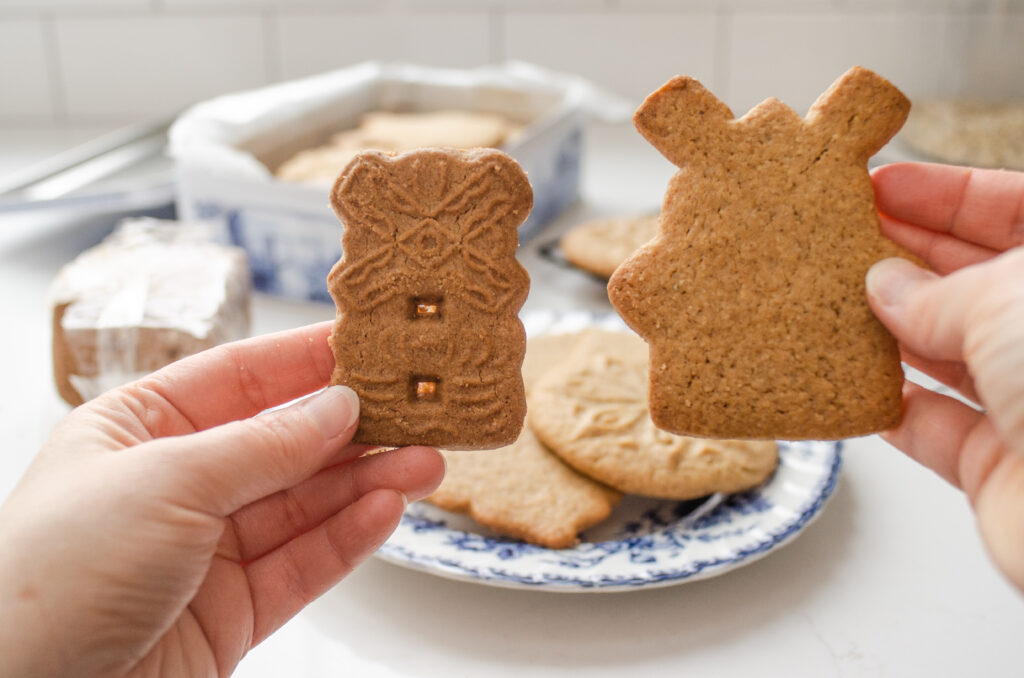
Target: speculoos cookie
428,291
524,490
601,245
752,294
592,412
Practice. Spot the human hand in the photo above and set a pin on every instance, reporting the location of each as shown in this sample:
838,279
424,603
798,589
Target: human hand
166,530
962,324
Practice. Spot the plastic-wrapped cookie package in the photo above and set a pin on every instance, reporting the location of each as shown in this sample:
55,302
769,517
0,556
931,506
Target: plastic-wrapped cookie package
152,292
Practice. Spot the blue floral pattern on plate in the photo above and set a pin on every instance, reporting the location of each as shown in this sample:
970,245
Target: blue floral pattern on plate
646,542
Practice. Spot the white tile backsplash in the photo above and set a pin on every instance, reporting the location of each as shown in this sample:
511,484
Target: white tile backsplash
286,5
141,67
76,6
631,54
796,57
25,85
933,5
989,49
314,42
557,5
729,5
87,60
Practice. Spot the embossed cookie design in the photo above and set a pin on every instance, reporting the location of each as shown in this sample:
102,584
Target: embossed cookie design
752,294
523,490
428,292
592,412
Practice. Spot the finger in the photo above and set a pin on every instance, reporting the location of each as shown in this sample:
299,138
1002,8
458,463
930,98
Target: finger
246,524
290,577
1000,509
350,451
238,380
224,620
923,311
942,252
933,430
975,316
951,373
984,207
963,446
270,522
929,314
222,469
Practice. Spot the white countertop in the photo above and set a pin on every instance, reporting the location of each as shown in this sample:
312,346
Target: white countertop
891,580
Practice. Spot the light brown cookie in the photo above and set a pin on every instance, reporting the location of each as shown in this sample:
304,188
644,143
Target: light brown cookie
592,412
523,490
545,353
320,165
752,294
386,131
428,291
453,129
600,246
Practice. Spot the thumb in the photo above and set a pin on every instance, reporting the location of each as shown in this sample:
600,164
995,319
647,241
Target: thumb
227,467
974,315
923,311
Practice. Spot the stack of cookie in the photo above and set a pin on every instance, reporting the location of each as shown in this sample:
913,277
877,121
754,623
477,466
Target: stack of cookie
387,131
588,440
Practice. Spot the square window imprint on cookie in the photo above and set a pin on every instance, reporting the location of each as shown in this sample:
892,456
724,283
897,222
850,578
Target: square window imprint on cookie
424,388
425,308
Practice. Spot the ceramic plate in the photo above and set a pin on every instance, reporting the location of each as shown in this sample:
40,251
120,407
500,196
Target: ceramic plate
646,542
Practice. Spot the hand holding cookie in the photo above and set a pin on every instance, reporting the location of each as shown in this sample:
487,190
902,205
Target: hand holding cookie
963,324
187,527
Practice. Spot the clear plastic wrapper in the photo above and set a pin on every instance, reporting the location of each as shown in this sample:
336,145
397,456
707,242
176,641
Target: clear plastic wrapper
152,292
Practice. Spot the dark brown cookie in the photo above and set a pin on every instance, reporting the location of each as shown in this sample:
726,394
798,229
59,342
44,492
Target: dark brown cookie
428,293
752,294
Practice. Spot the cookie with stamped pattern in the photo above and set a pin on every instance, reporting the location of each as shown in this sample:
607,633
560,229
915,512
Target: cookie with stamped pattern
592,412
428,292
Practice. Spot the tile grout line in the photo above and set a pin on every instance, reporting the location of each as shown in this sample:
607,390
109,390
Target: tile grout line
58,95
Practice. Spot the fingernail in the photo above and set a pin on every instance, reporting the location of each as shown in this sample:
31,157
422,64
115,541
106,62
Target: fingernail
334,410
890,280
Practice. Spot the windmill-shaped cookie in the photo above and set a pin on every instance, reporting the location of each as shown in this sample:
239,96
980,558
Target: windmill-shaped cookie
752,294
428,293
